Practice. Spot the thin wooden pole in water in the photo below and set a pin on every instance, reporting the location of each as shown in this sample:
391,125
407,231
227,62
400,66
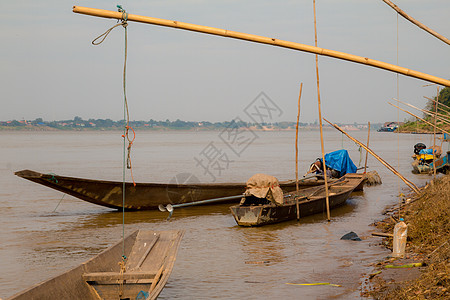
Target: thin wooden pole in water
367,153
262,40
296,151
442,130
406,181
320,118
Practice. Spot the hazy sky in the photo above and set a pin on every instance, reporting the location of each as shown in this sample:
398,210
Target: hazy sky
49,68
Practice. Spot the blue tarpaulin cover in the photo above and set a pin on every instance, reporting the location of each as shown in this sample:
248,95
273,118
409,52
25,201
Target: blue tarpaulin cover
423,151
340,161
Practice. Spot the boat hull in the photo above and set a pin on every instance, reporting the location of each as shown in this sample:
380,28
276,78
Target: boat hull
311,201
150,259
442,165
144,196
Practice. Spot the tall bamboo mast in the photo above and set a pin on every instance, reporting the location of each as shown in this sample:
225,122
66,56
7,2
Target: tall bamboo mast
296,151
324,165
367,153
434,133
406,181
417,23
263,40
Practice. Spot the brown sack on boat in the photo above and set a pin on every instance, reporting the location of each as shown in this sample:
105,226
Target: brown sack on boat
265,186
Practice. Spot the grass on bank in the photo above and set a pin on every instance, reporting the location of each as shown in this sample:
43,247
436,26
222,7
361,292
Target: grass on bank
429,237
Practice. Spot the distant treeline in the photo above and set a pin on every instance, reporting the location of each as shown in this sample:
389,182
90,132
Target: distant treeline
79,123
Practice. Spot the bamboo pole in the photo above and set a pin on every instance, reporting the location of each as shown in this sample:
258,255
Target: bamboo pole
262,40
417,23
296,151
445,116
418,118
434,133
367,153
324,165
424,111
406,181
439,103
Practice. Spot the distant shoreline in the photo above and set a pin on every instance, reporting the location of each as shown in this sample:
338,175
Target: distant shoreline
46,128
78,124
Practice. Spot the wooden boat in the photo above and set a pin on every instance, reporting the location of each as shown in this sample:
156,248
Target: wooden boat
311,201
388,127
427,166
150,257
144,196
423,159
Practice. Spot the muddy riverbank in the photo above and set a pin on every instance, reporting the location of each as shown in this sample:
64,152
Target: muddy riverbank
426,266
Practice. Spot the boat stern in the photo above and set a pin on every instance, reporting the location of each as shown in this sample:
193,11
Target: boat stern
247,215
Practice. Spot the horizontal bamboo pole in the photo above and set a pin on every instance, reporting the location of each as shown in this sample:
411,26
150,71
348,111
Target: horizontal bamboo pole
262,40
419,118
408,182
417,23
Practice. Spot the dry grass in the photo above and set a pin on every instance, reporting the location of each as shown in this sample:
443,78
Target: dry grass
428,237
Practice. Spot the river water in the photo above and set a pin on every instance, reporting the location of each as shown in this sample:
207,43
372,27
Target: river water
44,233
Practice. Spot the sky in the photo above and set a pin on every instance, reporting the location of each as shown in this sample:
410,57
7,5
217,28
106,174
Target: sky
49,69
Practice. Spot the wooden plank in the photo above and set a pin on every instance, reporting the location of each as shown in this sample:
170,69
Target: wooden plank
157,276
382,234
150,247
129,291
141,248
110,276
342,186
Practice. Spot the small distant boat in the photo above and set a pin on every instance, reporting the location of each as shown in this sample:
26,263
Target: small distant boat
150,257
257,211
388,127
145,196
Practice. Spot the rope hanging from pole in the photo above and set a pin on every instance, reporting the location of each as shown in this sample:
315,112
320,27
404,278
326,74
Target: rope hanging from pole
97,41
127,127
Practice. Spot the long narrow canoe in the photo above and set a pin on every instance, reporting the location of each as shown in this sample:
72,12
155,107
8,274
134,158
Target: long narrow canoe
144,196
311,201
150,256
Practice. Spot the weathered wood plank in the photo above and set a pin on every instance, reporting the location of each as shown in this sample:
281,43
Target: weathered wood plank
382,234
110,276
128,291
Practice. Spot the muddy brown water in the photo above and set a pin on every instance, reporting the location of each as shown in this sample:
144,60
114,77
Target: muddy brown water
44,234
